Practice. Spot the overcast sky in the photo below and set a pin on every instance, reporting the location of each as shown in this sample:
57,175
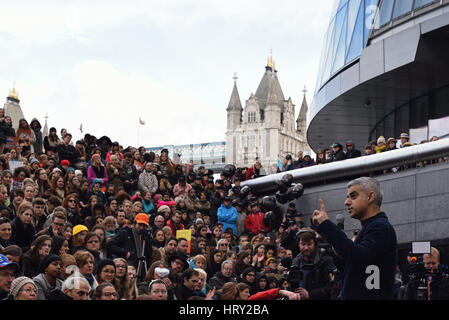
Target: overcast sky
106,63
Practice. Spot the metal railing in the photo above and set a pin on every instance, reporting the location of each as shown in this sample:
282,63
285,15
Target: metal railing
352,167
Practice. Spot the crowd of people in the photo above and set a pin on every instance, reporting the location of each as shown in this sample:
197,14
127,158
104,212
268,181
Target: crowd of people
337,152
94,220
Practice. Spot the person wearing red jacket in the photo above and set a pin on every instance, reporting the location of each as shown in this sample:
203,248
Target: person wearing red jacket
273,294
254,220
175,223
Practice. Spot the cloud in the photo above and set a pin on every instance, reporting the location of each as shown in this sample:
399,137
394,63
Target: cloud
109,102
111,62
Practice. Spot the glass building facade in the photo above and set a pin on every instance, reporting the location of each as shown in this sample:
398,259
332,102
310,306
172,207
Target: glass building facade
346,36
350,27
383,71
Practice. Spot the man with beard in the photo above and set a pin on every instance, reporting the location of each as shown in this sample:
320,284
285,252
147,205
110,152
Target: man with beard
315,283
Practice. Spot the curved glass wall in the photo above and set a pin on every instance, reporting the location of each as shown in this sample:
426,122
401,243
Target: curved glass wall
421,118
350,26
346,36
390,10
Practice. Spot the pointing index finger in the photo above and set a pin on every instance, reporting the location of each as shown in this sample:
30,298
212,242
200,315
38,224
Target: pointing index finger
322,205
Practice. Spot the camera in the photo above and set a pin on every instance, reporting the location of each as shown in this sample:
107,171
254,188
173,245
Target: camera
296,274
417,273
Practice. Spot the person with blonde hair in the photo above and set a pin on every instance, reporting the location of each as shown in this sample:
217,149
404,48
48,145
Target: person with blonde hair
85,264
229,291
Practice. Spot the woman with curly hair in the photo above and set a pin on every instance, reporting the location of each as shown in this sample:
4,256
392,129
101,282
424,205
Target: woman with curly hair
20,174
41,179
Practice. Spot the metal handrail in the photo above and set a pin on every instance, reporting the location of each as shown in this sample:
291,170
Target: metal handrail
356,166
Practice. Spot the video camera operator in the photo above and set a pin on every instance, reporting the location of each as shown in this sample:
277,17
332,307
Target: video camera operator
428,282
309,274
128,242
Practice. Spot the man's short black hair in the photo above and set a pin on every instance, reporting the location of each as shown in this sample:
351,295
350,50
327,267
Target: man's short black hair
189,273
170,239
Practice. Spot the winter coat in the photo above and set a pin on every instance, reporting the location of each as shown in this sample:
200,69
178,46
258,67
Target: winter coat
116,179
203,206
22,235
68,152
218,280
178,189
4,131
174,227
91,175
147,181
241,222
191,205
228,216
43,287
338,156
317,281
354,153
123,242
131,175
51,145
31,266
38,143
376,244
254,223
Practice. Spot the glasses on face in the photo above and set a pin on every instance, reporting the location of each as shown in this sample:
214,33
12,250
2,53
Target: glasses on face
72,200
224,245
120,267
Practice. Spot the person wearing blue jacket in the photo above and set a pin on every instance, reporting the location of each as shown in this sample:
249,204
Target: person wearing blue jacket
370,260
227,215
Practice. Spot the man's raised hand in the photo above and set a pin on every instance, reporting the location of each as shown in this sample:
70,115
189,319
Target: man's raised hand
319,215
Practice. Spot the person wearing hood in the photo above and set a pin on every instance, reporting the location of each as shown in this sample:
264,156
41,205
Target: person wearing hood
38,142
260,283
228,215
95,190
351,151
